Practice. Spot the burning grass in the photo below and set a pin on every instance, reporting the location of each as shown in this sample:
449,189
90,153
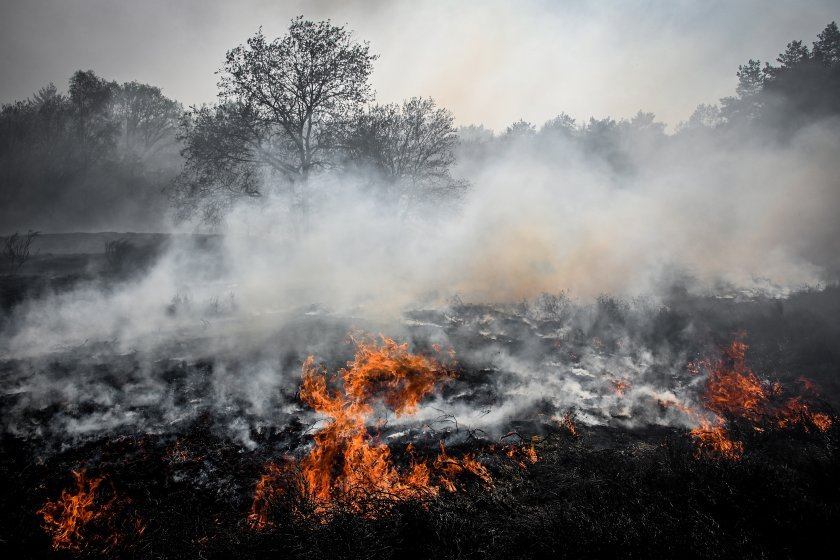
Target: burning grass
358,488
87,518
734,394
348,468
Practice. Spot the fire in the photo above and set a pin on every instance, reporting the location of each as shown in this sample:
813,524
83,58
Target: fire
71,518
795,412
620,386
734,393
713,440
348,466
450,468
523,454
732,389
266,492
566,422
270,489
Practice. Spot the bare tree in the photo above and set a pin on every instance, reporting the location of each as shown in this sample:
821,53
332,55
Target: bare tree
281,103
18,248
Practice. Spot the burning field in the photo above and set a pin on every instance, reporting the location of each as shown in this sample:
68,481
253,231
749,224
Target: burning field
322,291
695,426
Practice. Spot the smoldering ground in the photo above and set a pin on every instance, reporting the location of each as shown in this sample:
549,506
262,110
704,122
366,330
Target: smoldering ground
620,338
223,330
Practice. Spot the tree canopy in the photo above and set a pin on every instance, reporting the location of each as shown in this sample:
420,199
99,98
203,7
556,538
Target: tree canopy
301,104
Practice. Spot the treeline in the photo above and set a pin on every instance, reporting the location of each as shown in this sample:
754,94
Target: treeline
772,102
299,109
97,156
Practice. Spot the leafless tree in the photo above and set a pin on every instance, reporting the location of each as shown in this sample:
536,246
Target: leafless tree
280,103
18,248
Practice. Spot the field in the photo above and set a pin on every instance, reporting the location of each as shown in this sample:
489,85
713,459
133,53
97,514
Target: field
549,428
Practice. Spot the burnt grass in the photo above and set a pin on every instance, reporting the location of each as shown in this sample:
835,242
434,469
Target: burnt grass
602,492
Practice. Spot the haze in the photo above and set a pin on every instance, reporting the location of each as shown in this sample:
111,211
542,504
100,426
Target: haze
490,62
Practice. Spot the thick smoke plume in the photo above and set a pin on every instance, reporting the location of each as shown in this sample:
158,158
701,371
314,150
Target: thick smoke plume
735,211
744,218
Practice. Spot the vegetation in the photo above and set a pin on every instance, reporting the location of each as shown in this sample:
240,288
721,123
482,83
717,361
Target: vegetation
18,248
83,159
299,107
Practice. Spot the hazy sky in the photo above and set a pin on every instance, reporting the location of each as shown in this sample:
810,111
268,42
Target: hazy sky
491,62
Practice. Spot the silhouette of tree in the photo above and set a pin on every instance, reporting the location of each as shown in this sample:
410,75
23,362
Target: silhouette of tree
796,53
827,45
411,148
95,130
284,101
519,130
149,120
704,116
747,105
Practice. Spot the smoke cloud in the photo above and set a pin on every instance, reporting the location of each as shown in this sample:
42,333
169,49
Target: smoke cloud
222,328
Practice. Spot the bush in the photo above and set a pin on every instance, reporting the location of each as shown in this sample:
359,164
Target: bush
18,248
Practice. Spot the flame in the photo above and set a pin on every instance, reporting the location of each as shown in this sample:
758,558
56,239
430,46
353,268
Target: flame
451,468
69,518
713,440
620,386
566,422
523,454
270,488
797,413
732,389
734,392
348,466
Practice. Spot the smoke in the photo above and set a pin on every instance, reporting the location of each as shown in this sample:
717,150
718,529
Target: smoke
221,331
746,215
488,61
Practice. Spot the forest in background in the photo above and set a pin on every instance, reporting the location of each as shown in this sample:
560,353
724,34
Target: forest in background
124,157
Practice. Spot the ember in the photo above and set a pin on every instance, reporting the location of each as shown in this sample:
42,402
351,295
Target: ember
82,518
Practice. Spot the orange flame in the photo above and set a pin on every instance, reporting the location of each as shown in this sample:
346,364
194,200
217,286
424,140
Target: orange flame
522,454
620,386
348,466
566,422
269,489
732,389
734,392
450,468
713,440
69,518
795,412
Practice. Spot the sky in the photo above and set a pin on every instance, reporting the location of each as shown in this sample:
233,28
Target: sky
491,62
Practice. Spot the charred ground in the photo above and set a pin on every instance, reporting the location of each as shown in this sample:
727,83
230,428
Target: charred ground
180,461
